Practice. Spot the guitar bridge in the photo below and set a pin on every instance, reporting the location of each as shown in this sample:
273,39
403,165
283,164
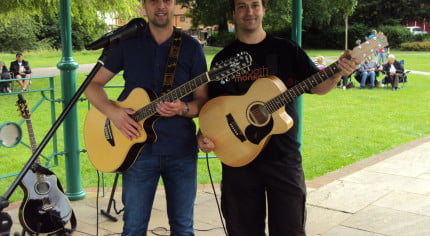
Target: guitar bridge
108,133
235,128
47,207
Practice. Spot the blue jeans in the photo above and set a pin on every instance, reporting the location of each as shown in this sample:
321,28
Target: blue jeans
365,75
179,174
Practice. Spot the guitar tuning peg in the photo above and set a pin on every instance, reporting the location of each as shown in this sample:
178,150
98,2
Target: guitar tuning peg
222,82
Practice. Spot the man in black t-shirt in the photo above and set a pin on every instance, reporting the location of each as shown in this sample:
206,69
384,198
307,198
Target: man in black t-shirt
275,177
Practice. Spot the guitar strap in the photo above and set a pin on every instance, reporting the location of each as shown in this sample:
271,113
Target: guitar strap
42,170
172,59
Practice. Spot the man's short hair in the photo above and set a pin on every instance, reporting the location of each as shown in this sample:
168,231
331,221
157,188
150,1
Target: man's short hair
18,54
264,2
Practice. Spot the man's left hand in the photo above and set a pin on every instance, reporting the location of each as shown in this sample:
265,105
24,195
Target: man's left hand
169,109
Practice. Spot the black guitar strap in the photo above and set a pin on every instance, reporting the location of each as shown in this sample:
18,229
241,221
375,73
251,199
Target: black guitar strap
172,59
42,170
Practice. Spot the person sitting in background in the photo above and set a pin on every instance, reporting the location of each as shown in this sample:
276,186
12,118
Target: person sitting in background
21,69
393,69
320,63
367,70
4,74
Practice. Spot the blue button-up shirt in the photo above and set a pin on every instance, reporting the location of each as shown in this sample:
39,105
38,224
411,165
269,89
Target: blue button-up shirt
143,62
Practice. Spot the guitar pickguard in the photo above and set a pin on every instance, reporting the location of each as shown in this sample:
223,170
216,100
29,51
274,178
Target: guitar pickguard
256,134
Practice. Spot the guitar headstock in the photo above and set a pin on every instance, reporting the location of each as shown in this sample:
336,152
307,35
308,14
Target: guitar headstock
232,67
370,46
23,107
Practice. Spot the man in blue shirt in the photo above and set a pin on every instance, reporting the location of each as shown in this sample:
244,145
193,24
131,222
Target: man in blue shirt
173,156
367,70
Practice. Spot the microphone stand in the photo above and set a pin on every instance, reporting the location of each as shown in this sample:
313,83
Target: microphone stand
5,219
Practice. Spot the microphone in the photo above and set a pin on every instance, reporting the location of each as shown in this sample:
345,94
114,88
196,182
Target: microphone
131,29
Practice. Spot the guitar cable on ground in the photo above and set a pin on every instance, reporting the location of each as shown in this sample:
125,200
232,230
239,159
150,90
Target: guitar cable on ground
159,231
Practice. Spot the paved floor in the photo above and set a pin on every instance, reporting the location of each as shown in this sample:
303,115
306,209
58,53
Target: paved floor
387,194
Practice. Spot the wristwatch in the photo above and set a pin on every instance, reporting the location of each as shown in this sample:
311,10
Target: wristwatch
186,109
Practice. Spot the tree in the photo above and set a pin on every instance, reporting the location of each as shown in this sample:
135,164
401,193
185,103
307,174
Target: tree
19,35
346,8
87,9
40,19
208,13
278,16
375,13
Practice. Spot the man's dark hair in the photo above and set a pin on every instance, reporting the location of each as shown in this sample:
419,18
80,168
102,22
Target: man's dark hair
264,2
18,54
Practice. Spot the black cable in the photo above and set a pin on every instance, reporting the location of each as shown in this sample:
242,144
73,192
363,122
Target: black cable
97,203
216,198
114,207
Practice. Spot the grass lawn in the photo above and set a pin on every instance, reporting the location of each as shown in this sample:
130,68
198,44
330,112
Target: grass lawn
340,128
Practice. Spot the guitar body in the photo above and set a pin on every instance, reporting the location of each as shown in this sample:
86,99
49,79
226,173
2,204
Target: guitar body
239,126
45,208
120,155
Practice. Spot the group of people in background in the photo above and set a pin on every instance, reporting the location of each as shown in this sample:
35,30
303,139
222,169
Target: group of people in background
368,71
19,69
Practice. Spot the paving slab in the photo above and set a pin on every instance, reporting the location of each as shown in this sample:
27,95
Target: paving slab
388,221
408,202
321,220
346,196
343,231
390,181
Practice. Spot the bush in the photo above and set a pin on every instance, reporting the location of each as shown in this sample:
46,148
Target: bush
220,39
334,37
415,46
396,35
19,35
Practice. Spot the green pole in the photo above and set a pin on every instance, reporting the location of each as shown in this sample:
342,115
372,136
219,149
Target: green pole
296,35
68,68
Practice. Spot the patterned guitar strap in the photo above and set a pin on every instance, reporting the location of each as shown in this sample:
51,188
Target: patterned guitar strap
172,59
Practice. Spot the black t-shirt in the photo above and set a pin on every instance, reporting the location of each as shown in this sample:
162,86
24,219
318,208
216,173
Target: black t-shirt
273,56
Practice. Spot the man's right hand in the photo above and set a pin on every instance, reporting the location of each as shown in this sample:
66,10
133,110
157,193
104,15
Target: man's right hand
122,120
205,144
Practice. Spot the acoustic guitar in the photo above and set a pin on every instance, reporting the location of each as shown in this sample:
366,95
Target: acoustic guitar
240,126
110,151
45,208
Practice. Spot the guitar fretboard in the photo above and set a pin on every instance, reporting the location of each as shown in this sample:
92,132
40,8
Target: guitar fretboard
31,137
305,86
173,95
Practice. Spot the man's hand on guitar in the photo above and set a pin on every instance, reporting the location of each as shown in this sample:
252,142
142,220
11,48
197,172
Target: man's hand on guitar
347,64
122,120
205,144
169,109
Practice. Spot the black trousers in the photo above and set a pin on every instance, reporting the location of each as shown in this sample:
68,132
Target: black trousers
245,191
4,84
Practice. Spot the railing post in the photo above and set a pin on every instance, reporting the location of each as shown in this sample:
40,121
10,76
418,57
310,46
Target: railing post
68,68
296,35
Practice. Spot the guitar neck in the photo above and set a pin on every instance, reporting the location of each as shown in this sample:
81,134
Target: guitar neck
171,96
288,96
31,134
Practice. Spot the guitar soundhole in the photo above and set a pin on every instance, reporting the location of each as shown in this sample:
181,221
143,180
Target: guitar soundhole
42,188
258,114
